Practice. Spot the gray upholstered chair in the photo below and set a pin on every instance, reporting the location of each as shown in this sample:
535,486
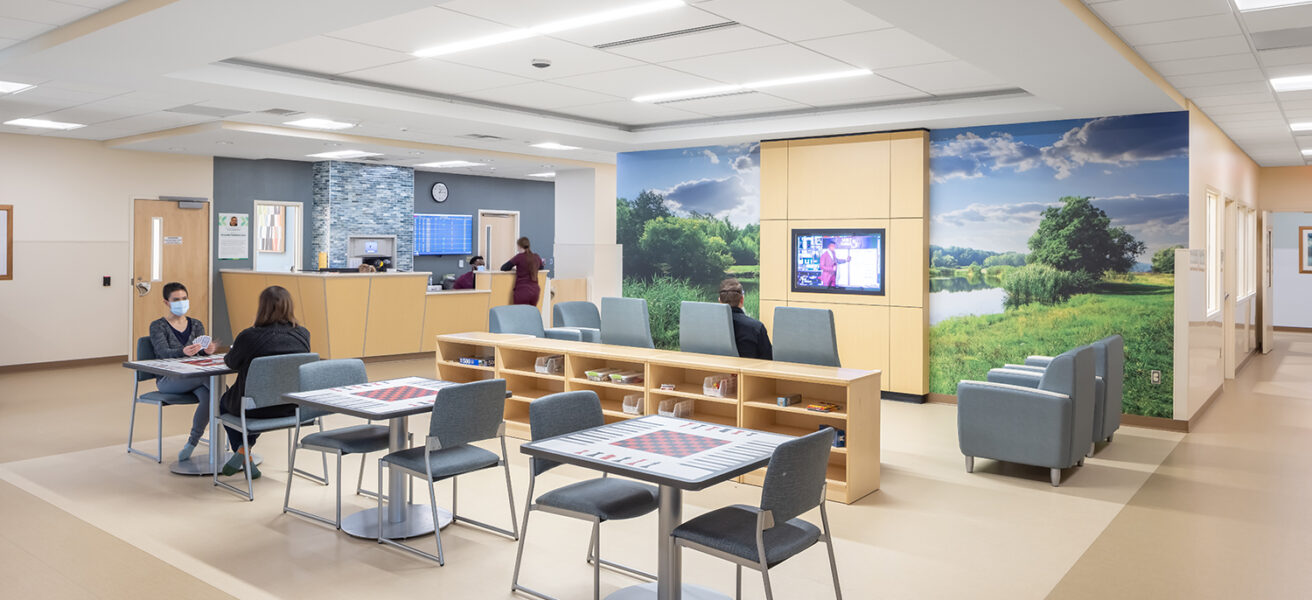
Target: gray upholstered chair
805,335
268,378
1048,424
525,319
579,315
626,322
145,351
462,414
1109,366
355,439
594,500
706,328
762,537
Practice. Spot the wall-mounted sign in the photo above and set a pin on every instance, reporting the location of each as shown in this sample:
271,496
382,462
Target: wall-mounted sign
173,240
234,236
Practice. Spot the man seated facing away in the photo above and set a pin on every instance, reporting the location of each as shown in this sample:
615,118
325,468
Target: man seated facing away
466,281
750,335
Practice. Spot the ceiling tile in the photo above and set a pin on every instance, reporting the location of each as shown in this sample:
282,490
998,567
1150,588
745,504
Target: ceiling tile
881,49
6,42
1296,104
419,29
637,81
323,54
717,41
1226,89
44,11
1216,78
1179,30
1219,46
1288,70
1274,19
1189,66
853,90
1299,114
665,21
1293,57
797,21
737,104
1230,100
632,113
1262,118
944,77
758,64
1287,98
430,74
19,29
96,4
566,59
527,13
543,95
1129,12
1235,109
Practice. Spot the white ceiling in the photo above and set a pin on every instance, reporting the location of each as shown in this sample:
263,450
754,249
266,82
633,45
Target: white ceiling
1206,49
145,67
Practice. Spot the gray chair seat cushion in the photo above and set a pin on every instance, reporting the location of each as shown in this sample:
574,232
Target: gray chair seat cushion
445,463
606,498
732,529
168,399
262,425
356,439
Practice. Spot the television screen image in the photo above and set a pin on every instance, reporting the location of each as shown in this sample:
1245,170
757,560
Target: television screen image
838,261
437,235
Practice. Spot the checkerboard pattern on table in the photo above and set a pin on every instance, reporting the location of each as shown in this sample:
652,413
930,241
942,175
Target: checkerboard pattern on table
400,392
670,443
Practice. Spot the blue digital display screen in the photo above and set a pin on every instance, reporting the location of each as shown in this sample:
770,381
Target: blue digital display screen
437,235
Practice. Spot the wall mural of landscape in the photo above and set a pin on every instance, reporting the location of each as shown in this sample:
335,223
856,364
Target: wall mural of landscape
1046,236
688,218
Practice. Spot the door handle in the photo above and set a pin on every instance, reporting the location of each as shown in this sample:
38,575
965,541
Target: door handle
143,287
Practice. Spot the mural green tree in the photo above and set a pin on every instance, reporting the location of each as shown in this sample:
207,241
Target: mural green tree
1077,236
1164,260
686,248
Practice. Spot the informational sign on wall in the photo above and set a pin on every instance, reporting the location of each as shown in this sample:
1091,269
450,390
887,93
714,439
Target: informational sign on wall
234,236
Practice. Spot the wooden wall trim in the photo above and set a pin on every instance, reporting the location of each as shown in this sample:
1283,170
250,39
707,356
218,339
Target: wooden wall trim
63,364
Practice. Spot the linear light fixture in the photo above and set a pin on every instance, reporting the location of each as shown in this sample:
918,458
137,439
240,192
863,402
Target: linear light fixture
1247,5
721,90
344,154
451,164
515,35
1292,84
44,124
554,146
544,175
320,124
1306,126
1307,152
9,87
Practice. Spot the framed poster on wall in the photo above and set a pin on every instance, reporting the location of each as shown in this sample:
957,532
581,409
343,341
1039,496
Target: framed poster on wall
1305,249
6,241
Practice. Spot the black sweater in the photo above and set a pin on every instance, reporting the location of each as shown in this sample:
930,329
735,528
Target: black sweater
253,343
753,341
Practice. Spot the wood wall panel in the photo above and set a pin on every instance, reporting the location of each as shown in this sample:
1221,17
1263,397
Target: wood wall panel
452,313
838,178
348,307
775,257
908,370
313,308
774,180
907,260
909,174
396,315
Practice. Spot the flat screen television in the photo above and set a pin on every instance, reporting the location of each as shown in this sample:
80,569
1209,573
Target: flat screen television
437,235
839,261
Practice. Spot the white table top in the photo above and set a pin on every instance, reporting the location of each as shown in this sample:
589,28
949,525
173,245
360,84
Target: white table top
187,366
387,399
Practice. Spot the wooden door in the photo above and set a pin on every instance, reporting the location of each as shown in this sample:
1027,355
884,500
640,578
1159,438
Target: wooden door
168,244
1267,341
499,231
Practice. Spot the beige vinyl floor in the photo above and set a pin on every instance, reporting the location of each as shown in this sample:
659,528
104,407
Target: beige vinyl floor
1219,513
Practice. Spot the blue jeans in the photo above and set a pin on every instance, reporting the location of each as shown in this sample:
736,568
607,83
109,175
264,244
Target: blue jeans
193,385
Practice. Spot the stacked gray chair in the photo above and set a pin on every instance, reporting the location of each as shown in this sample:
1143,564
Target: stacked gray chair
762,537
356,439
626,322
268,378
805,335
706,328
462,414
1047,424
145,351
1109,366
579,315
525,319
593,500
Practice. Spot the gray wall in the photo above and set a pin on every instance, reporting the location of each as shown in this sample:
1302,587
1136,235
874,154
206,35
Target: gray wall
535,201
238,183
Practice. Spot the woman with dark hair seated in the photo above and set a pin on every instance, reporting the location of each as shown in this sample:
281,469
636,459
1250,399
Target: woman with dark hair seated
275,332
175,335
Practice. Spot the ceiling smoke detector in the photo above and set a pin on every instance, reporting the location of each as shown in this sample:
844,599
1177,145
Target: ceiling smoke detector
541,63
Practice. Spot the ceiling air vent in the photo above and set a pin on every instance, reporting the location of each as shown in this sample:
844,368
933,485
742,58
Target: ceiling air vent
206,111
666,35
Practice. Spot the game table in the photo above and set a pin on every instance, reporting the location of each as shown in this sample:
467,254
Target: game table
675,454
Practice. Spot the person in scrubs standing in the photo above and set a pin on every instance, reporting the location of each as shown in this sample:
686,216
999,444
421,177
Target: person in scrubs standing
829,262
526,265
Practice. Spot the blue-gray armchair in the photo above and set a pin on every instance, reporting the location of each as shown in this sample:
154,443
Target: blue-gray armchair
1047,424
525,319
1109,367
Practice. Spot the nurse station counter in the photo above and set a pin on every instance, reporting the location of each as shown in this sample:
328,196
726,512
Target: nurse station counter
355,315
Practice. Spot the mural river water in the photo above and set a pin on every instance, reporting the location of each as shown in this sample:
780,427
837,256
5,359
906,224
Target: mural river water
958,296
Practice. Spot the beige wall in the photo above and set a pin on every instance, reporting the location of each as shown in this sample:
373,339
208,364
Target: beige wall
72,218
1284,189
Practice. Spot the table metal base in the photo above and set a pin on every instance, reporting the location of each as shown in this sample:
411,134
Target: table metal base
200,465
418,521
648,590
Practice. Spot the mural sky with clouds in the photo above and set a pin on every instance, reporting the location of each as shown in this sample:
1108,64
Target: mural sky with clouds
720,181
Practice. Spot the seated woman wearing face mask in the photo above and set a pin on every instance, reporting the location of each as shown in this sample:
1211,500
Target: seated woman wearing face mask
173,336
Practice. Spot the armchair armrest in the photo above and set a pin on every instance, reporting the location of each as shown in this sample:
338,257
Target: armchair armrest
1015,423
564,333
1038,361
1024,367
1022,377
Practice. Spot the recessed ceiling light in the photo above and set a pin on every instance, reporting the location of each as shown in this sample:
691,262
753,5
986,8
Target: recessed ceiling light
554,146
320,124
1247,5
9,87
515,35
1307,126
1292,84
1307,152
451,164
756,85
344,154
44,124
547,174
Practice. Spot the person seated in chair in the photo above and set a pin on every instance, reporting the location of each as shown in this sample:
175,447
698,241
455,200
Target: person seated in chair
466,281
749,334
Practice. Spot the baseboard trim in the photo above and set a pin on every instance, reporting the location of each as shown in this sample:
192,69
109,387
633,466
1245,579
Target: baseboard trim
903,397
63,364
942,399
1162,423
1292,329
